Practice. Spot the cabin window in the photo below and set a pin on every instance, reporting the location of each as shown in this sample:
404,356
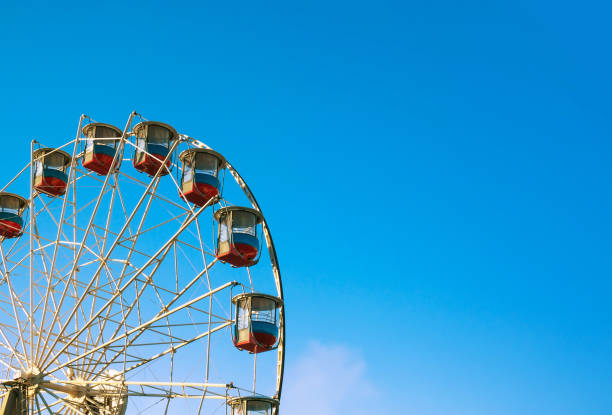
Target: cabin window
55,161
243,315
38,169
206,163
244,222
258,408
223,232
263,309
187,172
158,134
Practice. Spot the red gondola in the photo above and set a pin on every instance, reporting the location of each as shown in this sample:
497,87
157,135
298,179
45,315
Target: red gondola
11,214
153,142
101,146
252,405
237,242
51,171
256,325
200,178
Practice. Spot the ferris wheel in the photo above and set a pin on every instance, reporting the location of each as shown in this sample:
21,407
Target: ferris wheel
137,275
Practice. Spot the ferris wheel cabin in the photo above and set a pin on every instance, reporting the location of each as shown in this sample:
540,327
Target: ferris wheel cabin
51,171
11,214
257,322
237,242
200,179
101,146
153,142
252,405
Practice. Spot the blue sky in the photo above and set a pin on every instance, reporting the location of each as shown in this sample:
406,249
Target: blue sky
436,176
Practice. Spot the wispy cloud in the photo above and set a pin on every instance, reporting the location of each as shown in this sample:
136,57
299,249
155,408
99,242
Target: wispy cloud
328,380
